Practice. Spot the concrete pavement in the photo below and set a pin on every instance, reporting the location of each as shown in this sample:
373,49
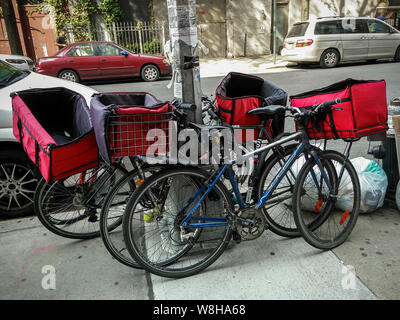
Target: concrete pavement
215,67
270,268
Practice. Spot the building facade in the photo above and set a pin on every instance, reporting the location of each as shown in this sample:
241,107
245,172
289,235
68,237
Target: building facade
36,32
236,28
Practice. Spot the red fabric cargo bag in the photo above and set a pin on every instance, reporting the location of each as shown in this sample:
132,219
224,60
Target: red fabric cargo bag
53,125
363,110
240,93
130,124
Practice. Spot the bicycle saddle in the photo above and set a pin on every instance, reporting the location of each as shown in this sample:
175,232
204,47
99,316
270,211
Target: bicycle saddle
268,111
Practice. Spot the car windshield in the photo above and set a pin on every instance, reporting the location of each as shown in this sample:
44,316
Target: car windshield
10,75
298,30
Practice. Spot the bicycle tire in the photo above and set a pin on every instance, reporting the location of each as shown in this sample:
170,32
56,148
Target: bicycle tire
341,209
278,209
178,256
113,208
56,208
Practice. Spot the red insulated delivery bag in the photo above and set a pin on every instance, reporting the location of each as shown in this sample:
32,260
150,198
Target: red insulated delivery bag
53,125
240,93
362,111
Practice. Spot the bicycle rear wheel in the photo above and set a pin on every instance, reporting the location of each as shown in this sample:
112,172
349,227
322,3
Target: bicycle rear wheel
326,208
152,223
61,206
278,209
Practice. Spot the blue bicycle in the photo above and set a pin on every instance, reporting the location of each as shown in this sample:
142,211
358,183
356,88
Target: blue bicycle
180,220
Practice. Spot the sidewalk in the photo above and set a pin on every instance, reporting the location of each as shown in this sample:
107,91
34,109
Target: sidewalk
215,67
268,268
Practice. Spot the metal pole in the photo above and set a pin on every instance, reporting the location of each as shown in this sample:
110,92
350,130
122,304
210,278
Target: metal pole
184,44
274,32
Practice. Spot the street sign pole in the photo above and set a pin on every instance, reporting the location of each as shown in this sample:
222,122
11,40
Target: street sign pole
184,44
274,27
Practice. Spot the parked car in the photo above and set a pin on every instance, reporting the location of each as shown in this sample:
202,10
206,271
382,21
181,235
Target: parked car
18,175
19,62
101,60
331,40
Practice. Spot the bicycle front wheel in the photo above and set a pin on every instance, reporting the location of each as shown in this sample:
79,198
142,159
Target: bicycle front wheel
153,229
112,211
326,206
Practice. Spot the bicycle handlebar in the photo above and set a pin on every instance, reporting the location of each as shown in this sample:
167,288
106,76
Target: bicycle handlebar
186,106
327,104
208,108
316,108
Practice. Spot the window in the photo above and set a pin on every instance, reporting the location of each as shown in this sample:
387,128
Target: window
377,27
9,74
82,50
328,27
298,30
105,49
353,26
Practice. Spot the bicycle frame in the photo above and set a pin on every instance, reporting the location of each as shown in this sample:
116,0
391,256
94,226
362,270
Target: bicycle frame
221,221
107,175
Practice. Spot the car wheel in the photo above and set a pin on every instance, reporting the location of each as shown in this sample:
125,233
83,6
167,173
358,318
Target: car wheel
69,75
17,185
397,55
330,58
150,73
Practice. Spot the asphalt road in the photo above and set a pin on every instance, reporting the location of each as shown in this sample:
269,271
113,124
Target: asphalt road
296,80
293,80
270,267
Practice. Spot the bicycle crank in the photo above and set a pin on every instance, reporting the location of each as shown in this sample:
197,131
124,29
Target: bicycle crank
251,224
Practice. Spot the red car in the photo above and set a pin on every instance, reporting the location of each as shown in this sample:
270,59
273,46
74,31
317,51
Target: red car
100,60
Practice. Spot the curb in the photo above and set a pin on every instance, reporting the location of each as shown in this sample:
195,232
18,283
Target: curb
220,67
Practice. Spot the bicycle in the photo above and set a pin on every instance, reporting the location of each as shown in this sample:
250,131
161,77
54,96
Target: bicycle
279,216
70,207
182,241
116,200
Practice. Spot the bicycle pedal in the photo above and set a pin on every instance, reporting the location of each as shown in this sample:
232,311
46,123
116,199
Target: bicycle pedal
236,237
213,196
93,218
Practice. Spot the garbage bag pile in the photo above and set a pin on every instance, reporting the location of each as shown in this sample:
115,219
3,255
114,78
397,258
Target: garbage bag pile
373,183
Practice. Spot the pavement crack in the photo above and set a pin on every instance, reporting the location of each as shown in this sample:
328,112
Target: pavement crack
20,229
357,276
150,291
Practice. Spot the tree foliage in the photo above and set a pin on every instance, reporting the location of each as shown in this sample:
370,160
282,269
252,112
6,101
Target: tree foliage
81,13
111,10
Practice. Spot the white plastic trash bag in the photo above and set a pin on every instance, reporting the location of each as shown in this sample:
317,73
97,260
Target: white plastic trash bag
373,183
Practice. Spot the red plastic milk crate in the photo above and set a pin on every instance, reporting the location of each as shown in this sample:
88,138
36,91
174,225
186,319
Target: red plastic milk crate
363,110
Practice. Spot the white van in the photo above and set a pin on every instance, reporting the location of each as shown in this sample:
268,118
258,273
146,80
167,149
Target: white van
331,40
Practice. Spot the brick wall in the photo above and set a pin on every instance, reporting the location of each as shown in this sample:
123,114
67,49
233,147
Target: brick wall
37,39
